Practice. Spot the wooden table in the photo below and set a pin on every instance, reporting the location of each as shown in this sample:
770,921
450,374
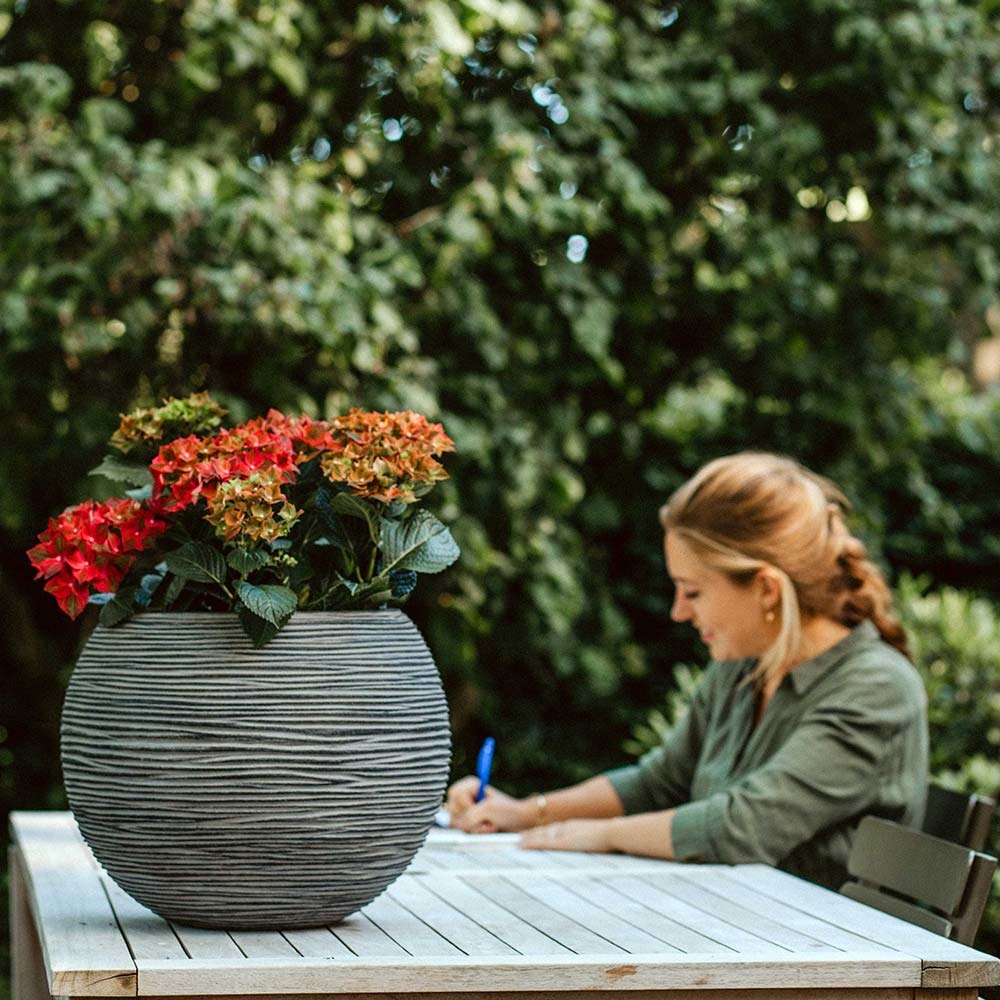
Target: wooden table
476,915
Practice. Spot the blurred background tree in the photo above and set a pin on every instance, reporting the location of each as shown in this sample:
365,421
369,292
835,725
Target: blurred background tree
602,242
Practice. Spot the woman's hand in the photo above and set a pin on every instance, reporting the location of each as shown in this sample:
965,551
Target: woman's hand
497,811
571,835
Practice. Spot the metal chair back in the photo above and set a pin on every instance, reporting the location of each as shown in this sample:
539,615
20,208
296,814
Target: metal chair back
930,882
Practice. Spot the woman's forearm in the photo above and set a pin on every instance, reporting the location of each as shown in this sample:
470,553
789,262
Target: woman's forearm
594,798
647,834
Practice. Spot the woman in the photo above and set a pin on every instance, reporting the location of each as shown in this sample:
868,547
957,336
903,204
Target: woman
808,717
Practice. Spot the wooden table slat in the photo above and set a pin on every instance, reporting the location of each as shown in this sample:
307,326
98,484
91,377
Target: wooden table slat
519,935
407,930
318,942
947,963
83,949
720,880
560,896
545,918
148,935
264,944
200,942
739,939
675,936
612,973
713,902
452,924
366,939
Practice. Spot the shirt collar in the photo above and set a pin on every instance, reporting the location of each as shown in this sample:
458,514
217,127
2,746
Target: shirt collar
805,675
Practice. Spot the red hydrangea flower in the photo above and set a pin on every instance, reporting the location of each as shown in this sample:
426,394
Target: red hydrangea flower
90,547
190,469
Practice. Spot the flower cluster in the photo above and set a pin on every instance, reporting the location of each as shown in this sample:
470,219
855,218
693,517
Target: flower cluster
90,547
274,514
192,468
145,427
253,508
387,456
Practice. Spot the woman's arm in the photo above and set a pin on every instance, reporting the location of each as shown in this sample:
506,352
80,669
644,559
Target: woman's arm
594,798
646,834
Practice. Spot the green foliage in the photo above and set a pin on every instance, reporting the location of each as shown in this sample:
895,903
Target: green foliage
955,638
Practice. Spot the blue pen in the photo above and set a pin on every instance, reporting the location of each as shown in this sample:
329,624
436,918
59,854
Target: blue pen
483,764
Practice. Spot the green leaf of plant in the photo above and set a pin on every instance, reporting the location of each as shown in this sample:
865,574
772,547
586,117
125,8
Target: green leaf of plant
331,521
197,561
352,506
373,593
260,632
270,601
120,471
245,561
117,610
174,589
373,599
420,543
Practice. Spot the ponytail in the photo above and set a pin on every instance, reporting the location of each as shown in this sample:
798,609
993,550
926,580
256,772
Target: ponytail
860,590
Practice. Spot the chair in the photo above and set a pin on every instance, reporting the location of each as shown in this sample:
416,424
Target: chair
959,817
925,880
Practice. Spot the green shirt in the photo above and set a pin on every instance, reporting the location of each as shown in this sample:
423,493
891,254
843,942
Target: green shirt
845,735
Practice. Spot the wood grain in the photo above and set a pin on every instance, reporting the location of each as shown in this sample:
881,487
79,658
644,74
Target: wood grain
82,947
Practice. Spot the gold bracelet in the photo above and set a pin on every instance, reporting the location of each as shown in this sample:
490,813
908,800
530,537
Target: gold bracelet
542,804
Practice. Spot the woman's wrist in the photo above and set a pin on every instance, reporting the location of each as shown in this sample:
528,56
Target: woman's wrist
535,810
614,834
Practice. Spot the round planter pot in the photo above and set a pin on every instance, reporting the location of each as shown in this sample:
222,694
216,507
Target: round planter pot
226,786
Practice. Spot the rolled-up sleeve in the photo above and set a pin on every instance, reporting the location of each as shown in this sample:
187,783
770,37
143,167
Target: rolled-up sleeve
847,752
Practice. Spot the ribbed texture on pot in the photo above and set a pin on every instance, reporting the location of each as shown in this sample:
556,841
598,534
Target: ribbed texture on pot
224,786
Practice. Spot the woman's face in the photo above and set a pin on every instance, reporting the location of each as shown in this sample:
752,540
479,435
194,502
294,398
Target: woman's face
729,618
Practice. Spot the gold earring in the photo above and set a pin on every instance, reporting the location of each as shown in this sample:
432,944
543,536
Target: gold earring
769,617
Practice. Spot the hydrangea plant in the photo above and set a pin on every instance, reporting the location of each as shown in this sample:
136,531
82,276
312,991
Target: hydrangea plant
276,514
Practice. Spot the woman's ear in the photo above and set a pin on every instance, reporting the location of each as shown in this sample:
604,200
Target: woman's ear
767,585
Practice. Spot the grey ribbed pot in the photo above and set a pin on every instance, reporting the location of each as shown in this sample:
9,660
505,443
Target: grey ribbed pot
223,786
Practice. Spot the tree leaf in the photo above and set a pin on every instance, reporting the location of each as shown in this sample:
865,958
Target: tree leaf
245,561
270,601
120,471
420,543
197,561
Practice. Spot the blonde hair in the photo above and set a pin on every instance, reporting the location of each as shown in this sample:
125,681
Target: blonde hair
755,510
